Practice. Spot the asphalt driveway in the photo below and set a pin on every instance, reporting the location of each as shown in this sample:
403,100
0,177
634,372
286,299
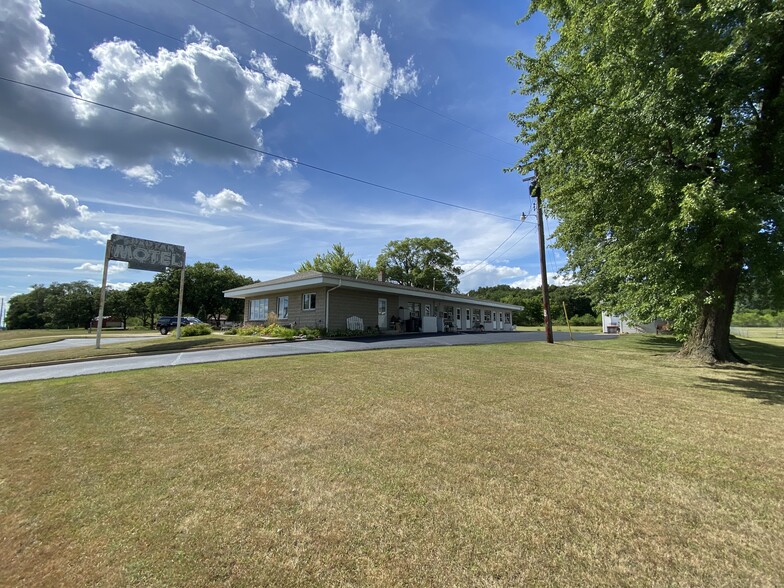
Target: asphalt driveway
118,364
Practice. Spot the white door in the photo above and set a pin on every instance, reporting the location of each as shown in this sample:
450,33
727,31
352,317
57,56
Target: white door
458,318
382,313
495,321
467,323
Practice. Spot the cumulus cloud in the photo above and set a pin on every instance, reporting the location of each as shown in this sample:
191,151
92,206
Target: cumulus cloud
30,207
115,267
224,201
282,165
535,281
315,71
202,86
360,62
145,174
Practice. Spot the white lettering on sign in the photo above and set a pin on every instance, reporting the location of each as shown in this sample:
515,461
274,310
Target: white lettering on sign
148,255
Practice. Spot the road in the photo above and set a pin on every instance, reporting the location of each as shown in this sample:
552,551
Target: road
118,364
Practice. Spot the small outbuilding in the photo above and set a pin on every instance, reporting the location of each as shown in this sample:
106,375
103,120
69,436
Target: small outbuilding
618,323
332,302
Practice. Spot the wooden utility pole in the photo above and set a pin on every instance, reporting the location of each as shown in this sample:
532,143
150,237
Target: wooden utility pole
536,192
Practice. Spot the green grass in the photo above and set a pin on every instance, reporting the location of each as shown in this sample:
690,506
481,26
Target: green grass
596,463
160,344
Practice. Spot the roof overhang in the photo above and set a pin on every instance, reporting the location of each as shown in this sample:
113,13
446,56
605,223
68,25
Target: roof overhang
259,288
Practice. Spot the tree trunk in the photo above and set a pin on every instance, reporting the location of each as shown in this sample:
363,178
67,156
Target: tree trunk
709,340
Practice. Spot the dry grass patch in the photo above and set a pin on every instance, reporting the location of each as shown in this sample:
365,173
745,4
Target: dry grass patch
499,465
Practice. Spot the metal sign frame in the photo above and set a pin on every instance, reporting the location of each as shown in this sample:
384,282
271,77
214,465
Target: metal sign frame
145,255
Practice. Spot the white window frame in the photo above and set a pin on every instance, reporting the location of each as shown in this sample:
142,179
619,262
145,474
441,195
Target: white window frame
256,314
309,302
283,307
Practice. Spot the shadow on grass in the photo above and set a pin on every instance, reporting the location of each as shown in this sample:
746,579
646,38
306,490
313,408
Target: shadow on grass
659,344
762,380
176,345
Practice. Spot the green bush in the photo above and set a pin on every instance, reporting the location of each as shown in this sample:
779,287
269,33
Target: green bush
585,320
194,330
275,330
758,318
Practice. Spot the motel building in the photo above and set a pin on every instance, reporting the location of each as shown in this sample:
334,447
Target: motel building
337,303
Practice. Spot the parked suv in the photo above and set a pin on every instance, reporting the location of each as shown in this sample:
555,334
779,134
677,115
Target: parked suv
169,323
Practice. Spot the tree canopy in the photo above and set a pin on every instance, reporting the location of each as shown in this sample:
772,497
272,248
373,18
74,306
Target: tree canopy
339,261
423,262
75,304
655,129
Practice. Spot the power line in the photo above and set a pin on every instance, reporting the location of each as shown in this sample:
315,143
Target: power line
478,265
322,60
255,149
304,89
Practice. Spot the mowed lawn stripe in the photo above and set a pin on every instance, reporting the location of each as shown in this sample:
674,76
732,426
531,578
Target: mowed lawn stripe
596,463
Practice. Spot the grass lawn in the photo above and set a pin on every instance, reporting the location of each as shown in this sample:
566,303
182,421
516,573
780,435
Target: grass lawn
160,344
576,464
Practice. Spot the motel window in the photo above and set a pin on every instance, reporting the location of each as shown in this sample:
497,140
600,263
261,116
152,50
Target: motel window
283,307
259,309
415,308
308,302
487,316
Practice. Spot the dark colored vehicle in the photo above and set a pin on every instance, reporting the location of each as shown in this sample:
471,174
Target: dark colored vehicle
169,323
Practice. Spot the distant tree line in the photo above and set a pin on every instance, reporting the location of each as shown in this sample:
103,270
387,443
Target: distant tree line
579,307
75,304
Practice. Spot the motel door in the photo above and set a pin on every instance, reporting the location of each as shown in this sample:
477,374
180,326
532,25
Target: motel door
495,321
458,318
382,313
468,324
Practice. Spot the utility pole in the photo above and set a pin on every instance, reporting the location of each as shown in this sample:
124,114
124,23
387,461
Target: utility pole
536,192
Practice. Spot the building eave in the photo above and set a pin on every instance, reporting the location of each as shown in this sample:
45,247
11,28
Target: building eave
311,280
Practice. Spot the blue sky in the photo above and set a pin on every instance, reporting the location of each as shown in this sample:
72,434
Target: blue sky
410,95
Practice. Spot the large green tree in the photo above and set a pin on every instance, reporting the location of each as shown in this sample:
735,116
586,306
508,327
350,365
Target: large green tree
339,261
655,128
205,283
423,262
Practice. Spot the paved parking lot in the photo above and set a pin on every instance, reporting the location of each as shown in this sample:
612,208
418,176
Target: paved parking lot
277,350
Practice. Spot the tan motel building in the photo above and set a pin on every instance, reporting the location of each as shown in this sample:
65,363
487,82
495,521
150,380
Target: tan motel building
336,303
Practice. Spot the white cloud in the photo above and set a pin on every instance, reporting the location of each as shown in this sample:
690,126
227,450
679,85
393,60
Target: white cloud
201,86
535,281
360,62
282,165
224,201
405,80
30,207
115,267
315,71
145,174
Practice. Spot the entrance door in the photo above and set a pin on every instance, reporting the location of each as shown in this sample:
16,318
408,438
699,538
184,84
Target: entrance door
458,318
382,314
495,323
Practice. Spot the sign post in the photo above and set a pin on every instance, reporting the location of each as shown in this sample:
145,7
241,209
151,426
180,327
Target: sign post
143,255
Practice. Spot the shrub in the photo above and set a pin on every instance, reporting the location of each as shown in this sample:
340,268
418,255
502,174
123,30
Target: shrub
275,330
585,320
194,330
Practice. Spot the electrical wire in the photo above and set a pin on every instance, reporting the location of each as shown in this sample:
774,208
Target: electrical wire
303,88
256,150
478,265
